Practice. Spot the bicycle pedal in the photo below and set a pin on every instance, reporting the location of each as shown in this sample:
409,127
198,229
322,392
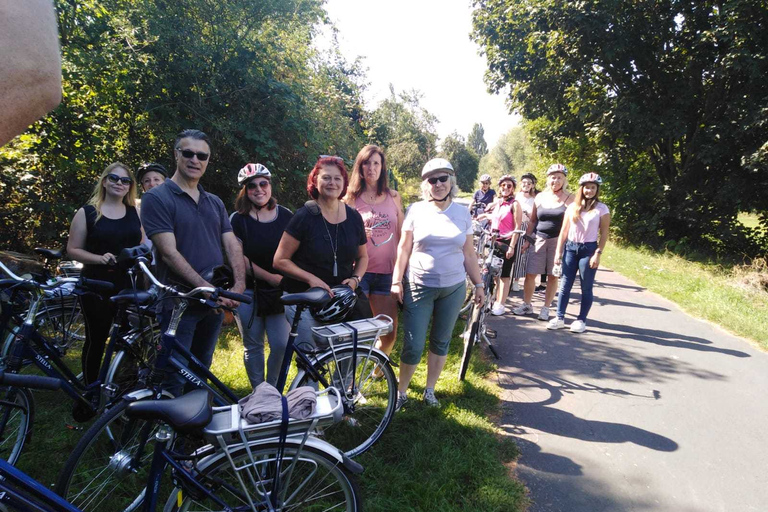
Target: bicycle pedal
490,333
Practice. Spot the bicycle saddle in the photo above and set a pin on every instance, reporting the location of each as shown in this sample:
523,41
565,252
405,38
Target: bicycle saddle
185,414
133,297
49,253
311,297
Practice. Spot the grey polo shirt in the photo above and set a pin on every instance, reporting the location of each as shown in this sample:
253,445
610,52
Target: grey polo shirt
198,226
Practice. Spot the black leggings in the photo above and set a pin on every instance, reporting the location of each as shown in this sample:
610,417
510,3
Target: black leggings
98,314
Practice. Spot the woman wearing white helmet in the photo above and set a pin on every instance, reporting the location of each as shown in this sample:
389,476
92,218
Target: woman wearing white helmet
259,222
436,247
546,221
482,197
586,221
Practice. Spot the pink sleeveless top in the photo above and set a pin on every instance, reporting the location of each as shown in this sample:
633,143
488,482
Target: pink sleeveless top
383,218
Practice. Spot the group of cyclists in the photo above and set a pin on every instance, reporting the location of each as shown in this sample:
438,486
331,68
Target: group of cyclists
554,233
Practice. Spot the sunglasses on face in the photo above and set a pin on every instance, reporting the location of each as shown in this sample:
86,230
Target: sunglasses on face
507,185
189,154
114,178
254,185
441,179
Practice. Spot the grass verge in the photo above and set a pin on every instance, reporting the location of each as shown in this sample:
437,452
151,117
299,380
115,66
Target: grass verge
707,291
448,459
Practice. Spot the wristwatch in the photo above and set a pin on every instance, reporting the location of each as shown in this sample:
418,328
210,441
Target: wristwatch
479,285
599,251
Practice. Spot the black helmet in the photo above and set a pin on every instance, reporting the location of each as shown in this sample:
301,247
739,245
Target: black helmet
151,167
529,176
338,308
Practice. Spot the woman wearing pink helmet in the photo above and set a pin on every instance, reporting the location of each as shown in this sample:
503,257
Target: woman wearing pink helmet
586,220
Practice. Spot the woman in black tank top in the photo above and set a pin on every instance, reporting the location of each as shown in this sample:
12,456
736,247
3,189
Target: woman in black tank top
99,231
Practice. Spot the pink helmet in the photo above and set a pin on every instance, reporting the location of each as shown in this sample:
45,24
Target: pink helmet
251,171
591,177
557,168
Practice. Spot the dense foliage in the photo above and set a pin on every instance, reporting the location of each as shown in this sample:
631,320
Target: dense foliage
667,98
464,160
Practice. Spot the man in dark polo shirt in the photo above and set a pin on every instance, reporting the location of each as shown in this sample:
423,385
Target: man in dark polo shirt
191,232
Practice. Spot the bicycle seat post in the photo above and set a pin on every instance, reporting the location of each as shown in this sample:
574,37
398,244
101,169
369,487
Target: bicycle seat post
288,355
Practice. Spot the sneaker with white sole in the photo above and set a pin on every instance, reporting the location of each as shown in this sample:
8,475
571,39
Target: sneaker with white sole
401,401
544,314
430,399
556,323
497,309
515,286
578,326
523,309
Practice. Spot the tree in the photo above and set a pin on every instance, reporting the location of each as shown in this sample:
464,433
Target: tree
513,154
464,160
665,97
476,140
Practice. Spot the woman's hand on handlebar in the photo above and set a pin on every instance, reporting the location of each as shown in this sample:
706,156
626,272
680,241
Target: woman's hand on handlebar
108,259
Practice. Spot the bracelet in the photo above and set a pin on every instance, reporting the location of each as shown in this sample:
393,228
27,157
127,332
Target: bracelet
599,251
355,278
398,283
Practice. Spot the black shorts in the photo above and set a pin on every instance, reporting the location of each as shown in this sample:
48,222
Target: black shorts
501,252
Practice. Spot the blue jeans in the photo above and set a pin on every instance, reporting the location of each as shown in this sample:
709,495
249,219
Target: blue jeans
422,304
198,332
377,284
276,329
576,258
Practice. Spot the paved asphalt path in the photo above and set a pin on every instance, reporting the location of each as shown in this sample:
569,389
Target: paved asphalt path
649,410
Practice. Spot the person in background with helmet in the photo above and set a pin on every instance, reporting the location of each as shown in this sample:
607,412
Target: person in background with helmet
482,197
382,212
151,175
259,223
525,199
436,247
546,220
586,221
506,217
324,246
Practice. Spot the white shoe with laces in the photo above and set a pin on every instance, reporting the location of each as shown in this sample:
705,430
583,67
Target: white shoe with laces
497,309
515,286
544,314
578,326
556,323
523,309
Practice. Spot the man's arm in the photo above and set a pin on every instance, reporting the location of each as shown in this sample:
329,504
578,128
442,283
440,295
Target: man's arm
166,246
30,64
235,256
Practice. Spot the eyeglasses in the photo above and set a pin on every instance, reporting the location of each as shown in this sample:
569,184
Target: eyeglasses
254,185
114,178
441,179
485,182
189,154
507,185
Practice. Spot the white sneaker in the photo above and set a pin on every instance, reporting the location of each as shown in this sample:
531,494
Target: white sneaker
515,286
523,309
497,309
578,326
556,323
544,314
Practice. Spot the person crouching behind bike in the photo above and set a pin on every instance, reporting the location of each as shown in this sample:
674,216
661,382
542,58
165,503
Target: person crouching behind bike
436,246
506,217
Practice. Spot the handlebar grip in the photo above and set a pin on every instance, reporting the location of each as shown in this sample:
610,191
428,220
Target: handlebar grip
96,285
29,381
235,296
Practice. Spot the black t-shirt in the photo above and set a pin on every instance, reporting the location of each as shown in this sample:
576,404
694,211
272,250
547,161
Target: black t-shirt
550,220
260,239
110,236
486,198
317,238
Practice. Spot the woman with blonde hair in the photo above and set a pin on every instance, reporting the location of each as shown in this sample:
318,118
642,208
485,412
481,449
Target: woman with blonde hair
382,212
99,231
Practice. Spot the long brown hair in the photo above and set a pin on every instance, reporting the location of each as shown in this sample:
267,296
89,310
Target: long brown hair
243,205
99,192
582,204
357,180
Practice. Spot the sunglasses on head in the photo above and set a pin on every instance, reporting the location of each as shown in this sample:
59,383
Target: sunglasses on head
441,179
336,159
253,185
189,154
114,178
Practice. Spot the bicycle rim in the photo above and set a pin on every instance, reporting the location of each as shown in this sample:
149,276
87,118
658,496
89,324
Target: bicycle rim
470,338
16,417
130,364
373,400
311,481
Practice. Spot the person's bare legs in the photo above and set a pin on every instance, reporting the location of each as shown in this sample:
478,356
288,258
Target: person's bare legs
406,374
504,286
435,364
385,305
528,288
549,294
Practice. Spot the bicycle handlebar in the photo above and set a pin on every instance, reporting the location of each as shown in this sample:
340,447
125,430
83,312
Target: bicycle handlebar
29,381
142,263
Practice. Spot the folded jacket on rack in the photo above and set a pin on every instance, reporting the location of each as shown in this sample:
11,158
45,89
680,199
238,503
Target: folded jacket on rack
265,404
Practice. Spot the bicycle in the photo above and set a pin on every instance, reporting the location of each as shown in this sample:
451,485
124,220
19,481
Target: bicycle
276,466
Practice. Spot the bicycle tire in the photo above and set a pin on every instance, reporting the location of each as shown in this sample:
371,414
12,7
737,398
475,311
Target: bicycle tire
63,325
101,473
470,338
315,481
374,403
125,370
19,406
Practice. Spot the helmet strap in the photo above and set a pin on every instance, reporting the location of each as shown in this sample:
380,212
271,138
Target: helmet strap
436,200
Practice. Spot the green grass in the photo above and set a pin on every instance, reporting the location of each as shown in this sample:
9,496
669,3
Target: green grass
448,459
707,291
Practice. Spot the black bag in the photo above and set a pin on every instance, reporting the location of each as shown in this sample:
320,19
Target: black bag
362,307
268,301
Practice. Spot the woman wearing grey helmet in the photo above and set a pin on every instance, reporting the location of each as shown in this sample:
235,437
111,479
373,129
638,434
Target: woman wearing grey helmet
436,247
258,223
586,221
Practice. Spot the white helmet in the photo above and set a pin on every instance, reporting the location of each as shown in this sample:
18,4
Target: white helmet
485,177
251,171
557,168
591,177
436,164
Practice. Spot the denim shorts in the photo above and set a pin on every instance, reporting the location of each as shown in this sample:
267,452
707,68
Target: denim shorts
377,284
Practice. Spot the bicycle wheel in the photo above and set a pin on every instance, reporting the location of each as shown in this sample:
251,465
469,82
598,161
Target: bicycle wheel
470,293
17,411
131,365
311,480
108,468
367,413
63,324
470,335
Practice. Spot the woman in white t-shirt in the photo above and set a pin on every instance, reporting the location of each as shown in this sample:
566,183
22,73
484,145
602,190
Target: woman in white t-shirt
436,246
586,220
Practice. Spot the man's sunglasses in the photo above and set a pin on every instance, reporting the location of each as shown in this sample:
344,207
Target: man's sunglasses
114,178
189,154
254,185
441,179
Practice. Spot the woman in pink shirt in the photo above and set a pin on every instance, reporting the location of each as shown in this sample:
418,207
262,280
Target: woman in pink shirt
382,213
586,220
506,217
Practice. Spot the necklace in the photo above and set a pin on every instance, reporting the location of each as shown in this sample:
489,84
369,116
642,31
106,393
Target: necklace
334,247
